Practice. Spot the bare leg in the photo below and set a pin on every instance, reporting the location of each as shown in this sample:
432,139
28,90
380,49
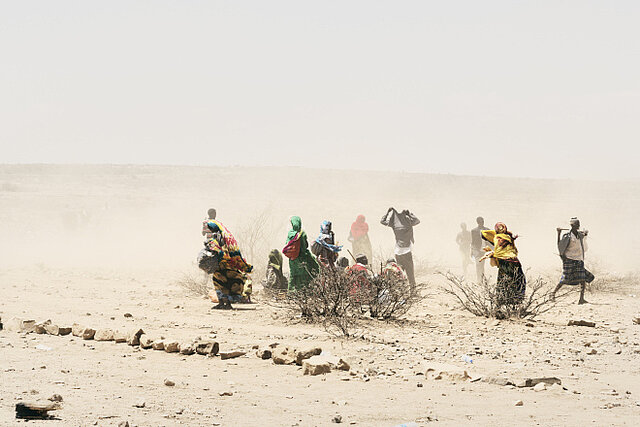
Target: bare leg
582,288
553,294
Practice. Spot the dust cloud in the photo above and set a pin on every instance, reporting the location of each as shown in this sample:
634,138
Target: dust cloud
142,217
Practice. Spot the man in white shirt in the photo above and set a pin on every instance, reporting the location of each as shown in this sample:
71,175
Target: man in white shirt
572,246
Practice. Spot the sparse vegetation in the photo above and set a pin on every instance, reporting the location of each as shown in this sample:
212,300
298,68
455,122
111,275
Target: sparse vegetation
195,282
339,300
486,300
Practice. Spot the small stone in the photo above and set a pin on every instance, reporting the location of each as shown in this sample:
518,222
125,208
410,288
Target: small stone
123,424
519,403
103,335
52,329
264,353
582,323
171,346
56,398
592,351
438,371
283,355
301,355
76,330
532,382
207,348
187,348
336,419
315,365
88,333
64,330
419,385
119,337
158,345
128,315
16,324
231,354
145,341
169,383
133,337
226,393
540,387
140,404
343,365
40,327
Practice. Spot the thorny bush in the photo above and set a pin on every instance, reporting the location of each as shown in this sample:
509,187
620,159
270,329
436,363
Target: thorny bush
339,300
485,299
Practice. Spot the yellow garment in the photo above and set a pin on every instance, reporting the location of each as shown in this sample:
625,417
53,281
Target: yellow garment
504,248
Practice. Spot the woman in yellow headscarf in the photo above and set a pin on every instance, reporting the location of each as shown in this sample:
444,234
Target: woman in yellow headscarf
511,280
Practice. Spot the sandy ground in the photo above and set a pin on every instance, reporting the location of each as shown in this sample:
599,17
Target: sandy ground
135,230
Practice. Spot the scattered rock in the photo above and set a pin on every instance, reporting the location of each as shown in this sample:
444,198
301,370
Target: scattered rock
207,348
518,403
315,365
158,345
226,393
343,365
119,337
35,410
283,355
636,320
336,419
140,404
128,315
76,330
582,323
145,341
52,329
231,354
264,353
16,324
40,327
301,355
123,424
88,333
497,380
540,387
171,346
133,337
64,330
532,382
439,371
56,398
592,351
187,348
103,335
169,383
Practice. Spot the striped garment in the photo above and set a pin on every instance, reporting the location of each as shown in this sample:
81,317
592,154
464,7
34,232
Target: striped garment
574,273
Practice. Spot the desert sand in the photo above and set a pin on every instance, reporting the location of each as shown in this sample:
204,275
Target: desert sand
87,244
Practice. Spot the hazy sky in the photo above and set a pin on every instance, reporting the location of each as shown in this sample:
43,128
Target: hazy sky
516,88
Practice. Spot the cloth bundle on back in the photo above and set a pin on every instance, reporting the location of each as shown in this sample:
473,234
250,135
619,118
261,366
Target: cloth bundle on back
229,278
572,247
359,238
275,277
325,247
402,224
303,266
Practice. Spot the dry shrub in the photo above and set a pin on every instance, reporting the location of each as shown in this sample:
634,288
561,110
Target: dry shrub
196,282
485,299
334,300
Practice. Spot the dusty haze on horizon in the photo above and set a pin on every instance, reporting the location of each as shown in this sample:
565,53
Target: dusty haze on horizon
540,89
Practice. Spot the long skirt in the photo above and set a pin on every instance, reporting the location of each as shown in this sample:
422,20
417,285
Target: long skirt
363,246
511,284
574,273
302,270
229,284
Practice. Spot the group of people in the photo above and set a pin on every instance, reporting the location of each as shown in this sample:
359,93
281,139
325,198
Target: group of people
221,258
498,246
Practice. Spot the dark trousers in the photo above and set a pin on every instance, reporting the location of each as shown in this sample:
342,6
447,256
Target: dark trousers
406,262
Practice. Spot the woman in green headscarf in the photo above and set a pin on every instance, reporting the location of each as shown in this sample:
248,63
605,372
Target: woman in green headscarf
303,266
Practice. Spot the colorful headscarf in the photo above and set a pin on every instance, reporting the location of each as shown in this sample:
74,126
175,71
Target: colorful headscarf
226,248
359,227
503,241
296,227
326,233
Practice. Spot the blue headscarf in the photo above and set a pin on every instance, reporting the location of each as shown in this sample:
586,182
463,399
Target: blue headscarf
326,233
